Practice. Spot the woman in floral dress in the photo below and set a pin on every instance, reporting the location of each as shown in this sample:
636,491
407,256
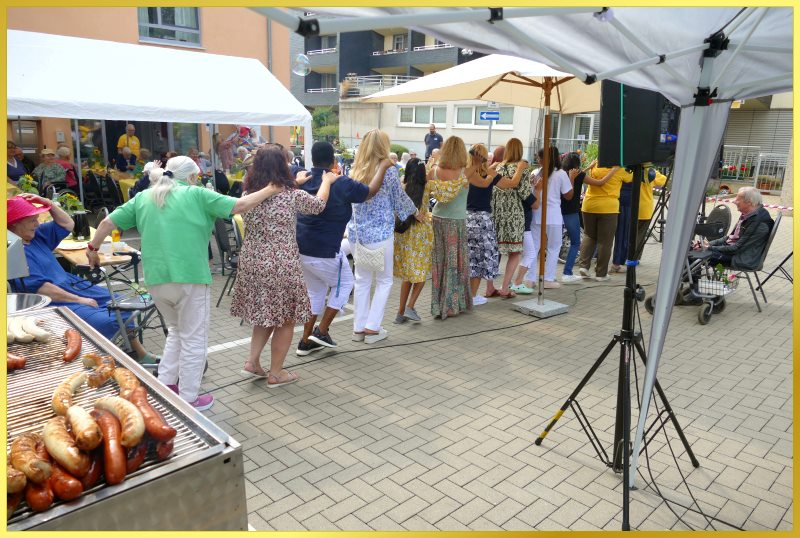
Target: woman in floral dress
413,238
508,213
270,293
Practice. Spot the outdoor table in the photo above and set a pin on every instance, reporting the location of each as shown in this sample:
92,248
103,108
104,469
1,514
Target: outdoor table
235,178
75,253
125,185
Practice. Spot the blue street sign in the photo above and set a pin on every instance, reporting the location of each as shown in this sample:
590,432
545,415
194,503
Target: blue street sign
489,115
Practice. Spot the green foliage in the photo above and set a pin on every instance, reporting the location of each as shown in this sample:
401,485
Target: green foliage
27,184
398,149
70,203
589,154
323,116
327,131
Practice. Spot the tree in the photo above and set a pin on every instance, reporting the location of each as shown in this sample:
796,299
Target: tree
326,122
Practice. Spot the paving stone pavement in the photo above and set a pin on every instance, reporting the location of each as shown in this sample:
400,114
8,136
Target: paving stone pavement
433,428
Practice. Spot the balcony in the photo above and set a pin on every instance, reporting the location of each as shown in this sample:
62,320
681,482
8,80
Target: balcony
320,51
367,85
391,51
434,47
322,90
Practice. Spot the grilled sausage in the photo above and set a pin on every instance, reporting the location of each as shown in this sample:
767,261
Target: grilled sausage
65,486
136,456
12,501
40,496
15,480
29,326
24,458
164,449
15,362
126,380
154,424
114,458
91,360
14,326
95,470
74,343
62,448
129,416
62,397
103,372
84,428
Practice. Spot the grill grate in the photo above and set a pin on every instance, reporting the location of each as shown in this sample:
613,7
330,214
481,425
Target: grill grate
30,391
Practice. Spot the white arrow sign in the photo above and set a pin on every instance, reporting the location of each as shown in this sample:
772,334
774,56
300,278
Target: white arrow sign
489,115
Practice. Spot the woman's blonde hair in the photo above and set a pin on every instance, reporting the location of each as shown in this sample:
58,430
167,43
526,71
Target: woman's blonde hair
513,150
162,182
373,149
480,151
453,153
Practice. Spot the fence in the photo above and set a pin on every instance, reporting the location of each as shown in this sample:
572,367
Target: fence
369,84
739,162
769,172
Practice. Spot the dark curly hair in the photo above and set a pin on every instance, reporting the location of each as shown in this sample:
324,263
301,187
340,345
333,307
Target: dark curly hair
269,167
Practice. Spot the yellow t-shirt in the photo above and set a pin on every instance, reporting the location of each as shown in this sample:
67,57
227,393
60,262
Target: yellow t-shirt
130,141
646,194
605,199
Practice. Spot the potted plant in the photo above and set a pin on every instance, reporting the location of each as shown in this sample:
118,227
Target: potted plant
73,206
27,184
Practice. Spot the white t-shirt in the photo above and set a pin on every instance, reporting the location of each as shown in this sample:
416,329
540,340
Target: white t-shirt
557,184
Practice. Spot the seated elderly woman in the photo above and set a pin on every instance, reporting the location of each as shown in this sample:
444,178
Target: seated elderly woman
126,161
48,278
48,171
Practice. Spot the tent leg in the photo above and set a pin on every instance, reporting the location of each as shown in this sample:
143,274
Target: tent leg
78,157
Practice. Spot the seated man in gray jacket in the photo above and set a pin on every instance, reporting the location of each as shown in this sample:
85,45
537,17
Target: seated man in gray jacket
742,249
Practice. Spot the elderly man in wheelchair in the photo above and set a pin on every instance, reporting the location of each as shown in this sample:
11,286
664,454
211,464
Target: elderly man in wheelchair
87,300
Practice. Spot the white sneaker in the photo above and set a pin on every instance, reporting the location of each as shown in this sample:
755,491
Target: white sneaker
358,337
551,284
602,278
570,279
584,273
479,300
372,338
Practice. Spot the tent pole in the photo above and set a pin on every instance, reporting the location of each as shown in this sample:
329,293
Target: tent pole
105,142
739,47
78,157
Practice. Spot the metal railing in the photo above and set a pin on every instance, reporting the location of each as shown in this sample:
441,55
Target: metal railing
322,90
321,51
390,51
433,47
564,145
738,162
769,173
360,86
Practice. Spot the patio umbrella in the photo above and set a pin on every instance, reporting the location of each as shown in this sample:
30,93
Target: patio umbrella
509,80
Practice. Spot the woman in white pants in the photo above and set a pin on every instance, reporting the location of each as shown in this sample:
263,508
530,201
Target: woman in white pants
372,226
558,185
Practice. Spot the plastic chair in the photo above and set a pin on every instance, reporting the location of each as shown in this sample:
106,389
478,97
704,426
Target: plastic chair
720,214
760,266
114,192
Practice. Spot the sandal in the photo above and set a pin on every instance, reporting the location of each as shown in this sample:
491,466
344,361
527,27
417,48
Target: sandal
258,373
495,293
273,381
509,295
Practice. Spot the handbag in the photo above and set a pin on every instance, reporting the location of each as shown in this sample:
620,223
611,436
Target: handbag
370,259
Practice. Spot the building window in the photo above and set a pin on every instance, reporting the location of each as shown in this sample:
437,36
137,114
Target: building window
327,80
399,41
423,115
470,116
555,124
169,24
328,42
583,127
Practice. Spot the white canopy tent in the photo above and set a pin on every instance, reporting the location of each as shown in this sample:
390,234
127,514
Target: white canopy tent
44,80
699,58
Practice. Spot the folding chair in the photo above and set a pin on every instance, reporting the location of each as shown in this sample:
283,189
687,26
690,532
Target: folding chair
233,255
760,266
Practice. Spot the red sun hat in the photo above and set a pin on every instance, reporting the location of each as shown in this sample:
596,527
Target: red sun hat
18,208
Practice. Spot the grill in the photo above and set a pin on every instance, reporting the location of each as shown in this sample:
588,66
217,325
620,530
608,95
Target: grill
30,391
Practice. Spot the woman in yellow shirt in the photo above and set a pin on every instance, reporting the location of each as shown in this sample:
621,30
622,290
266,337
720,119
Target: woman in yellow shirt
652,178
600,210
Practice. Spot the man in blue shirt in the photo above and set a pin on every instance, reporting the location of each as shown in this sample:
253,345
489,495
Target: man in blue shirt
433,140
48,278
319,239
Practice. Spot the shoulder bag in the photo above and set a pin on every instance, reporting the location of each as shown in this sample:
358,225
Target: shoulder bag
370,259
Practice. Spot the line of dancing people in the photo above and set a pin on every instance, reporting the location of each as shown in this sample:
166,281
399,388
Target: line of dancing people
300,228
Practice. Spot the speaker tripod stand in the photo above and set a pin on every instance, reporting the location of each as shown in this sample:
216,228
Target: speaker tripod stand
630,343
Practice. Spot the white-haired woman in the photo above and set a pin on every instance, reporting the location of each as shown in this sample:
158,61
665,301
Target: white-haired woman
175,218
372,225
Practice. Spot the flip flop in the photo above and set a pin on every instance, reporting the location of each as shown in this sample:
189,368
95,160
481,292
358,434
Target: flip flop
150,359
291,378
509,295
247,373
494,293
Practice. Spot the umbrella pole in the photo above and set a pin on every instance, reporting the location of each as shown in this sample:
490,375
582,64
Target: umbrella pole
78,157
547,86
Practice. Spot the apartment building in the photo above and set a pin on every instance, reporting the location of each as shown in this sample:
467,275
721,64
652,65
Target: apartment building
228,31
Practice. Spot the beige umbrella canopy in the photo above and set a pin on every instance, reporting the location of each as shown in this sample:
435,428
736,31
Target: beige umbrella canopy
511,81
497,77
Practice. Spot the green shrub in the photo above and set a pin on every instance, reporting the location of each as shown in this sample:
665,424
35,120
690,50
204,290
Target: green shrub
397,148
327,131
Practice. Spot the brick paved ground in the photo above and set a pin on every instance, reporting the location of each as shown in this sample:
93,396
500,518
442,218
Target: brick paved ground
433,428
